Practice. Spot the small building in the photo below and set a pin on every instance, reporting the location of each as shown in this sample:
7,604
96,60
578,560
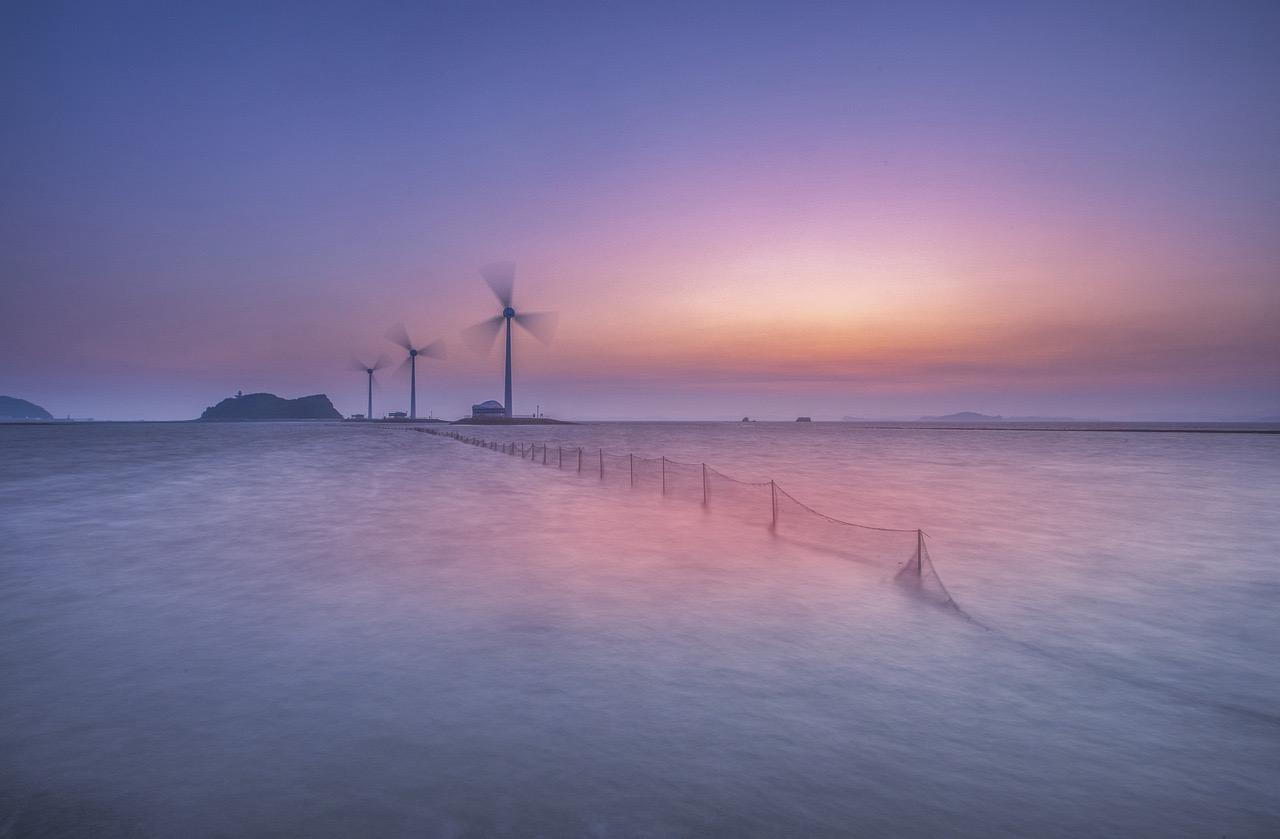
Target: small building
804,419
398,415
488,409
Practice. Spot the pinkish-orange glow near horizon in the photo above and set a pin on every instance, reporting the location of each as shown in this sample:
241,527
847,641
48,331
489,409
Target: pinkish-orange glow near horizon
869,214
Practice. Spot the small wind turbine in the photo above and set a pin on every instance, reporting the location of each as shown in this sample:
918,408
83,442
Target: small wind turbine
369,369
501,277
400,336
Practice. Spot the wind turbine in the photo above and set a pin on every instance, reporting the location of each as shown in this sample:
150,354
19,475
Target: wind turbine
501,277
369,370
400,336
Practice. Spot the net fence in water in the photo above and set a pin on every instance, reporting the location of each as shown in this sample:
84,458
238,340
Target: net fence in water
757,502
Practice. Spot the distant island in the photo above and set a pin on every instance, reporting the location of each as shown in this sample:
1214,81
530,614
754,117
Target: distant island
974,416
11,407
268,406
963,416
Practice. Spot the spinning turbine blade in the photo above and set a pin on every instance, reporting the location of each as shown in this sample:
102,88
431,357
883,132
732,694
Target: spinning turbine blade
436,349
541,325
501,277
381,362
480,336
399,335
357,364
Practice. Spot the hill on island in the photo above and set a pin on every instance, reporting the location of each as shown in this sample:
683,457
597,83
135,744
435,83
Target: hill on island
963,416
11,407
974,416
268,406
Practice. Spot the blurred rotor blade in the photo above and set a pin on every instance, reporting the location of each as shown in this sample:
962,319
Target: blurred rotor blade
541,325
399,335
357,364
403,367
480,337
436,349
501,277
381,362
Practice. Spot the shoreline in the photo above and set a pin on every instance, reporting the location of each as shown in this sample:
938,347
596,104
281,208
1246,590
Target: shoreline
905,425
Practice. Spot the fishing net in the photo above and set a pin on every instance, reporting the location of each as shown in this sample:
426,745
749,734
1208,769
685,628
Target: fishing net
904,551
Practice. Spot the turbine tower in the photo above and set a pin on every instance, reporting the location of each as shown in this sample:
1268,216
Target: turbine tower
501,277
399,336
369,371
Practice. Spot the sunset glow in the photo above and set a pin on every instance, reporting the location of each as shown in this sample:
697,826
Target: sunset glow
1013,210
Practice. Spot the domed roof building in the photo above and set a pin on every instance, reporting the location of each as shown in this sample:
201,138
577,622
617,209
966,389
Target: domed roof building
488,408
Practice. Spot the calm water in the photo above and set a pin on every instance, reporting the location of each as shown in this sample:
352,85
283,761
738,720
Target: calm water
330,630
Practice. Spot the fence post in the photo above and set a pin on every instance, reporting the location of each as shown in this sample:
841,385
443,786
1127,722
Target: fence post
559,457
544,454
631,463
773,498
579,458
602,464
664,474
704,485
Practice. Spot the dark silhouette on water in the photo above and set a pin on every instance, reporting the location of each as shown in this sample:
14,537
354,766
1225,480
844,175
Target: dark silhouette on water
268,406
501,277
369,370
399,336
11,407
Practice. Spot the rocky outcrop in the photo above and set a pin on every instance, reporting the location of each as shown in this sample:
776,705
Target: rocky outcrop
268,406
11,407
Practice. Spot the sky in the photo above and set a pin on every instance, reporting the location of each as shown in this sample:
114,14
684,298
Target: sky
767,209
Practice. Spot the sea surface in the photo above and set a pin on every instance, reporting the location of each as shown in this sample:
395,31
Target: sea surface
337,630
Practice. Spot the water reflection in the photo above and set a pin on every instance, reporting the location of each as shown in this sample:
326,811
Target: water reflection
333,630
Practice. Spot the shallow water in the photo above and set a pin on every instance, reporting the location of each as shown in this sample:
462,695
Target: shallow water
336,630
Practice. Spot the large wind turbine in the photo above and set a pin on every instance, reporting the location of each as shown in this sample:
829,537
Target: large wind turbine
369,369
501,277
400,336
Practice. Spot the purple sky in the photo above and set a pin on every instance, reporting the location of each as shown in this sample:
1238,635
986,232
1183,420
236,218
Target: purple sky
866,209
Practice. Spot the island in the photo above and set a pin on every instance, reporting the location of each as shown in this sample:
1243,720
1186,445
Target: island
974,416
268,406
11,407
963,416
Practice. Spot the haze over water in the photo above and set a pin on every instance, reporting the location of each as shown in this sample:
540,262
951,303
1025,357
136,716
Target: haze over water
337,630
